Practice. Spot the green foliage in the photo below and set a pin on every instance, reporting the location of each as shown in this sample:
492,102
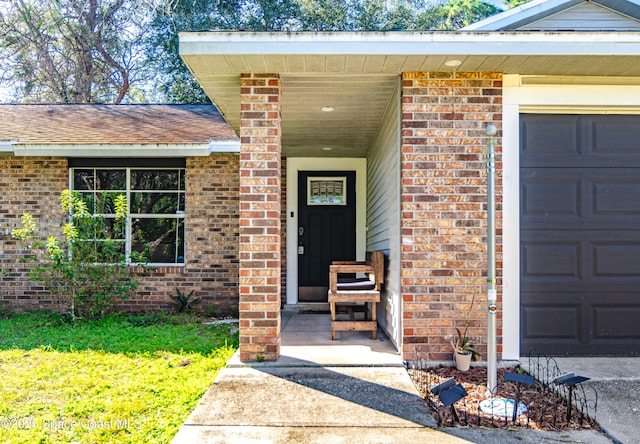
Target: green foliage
214,311
175,84
6,312
72,51
183,302
462,342
88,271
139,382
455,14
514,3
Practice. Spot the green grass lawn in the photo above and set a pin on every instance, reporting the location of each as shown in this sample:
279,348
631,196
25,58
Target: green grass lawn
119,379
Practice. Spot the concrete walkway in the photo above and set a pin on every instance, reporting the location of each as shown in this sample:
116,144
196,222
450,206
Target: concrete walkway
352,390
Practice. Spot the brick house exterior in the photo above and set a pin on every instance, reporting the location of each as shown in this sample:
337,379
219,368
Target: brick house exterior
32,184
444,206
410,123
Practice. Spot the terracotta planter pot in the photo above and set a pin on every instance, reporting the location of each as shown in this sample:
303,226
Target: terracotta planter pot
463,361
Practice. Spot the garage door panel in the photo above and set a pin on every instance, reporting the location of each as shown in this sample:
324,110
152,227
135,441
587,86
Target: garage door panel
542,138
551,259
535,192
617,195
580,234
585,198
542,318
580,324
616,321
579,140
617,259
614,137
587,261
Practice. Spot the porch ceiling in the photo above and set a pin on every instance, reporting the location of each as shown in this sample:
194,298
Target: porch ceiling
356,73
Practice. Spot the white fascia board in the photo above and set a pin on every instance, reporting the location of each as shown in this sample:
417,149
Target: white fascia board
224,146
411,43
99,150
6,147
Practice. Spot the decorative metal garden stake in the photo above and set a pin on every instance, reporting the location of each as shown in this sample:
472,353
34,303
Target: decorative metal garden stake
449,393
518,378
570,380
492,300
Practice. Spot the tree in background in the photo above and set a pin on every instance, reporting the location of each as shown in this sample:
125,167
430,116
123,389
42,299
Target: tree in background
72,51
514,3
175,84
455,14
123,51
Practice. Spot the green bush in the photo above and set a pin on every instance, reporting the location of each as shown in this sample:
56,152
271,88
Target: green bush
89,271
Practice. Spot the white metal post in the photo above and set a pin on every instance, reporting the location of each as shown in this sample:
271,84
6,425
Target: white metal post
492,375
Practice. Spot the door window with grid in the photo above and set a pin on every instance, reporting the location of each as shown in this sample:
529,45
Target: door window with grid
156,207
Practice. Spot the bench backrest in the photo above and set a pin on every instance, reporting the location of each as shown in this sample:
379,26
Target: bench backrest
376,258
373,267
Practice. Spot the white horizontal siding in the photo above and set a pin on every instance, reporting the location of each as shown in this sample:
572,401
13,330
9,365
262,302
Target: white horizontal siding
585,17
383,213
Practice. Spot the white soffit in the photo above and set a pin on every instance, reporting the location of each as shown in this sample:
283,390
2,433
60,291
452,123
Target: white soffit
356,72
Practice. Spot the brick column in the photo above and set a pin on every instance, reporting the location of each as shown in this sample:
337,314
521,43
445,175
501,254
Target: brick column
444,116
260,259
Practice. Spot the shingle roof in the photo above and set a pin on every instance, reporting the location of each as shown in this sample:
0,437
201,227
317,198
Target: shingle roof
113,124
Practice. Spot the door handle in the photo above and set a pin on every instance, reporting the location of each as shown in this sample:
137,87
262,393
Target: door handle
300,231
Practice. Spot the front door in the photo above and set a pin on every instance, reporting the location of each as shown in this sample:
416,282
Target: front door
326,229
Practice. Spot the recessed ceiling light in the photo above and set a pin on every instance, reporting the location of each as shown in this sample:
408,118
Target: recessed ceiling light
327,109
327,148
453,62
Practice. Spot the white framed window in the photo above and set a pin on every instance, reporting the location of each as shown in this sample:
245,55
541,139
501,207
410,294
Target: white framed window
326,191
155,200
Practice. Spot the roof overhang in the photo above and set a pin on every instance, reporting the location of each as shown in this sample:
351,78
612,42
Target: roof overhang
134,150
273,45
537,9
6,147
351,68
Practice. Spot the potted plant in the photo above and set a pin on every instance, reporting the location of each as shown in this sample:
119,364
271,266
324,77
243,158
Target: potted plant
463,349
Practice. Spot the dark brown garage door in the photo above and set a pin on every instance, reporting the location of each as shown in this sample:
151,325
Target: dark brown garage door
580,234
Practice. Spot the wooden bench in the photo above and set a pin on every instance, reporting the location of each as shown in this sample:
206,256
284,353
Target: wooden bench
349,290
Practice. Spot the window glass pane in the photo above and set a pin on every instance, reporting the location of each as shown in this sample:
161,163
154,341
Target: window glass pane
83,179
103,240
111,179
100,251
326,191
104,202
155,179
89,199
99,227
155,203
162,238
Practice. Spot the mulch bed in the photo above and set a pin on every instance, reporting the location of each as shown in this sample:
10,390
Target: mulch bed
545,409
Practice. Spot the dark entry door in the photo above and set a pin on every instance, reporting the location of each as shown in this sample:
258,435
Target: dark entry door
580,234
326,228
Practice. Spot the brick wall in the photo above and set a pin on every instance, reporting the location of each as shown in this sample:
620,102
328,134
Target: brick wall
260,216
211,233
211,241
27,185
444,116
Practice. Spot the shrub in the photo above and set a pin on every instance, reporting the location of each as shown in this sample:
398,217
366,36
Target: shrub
89,270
